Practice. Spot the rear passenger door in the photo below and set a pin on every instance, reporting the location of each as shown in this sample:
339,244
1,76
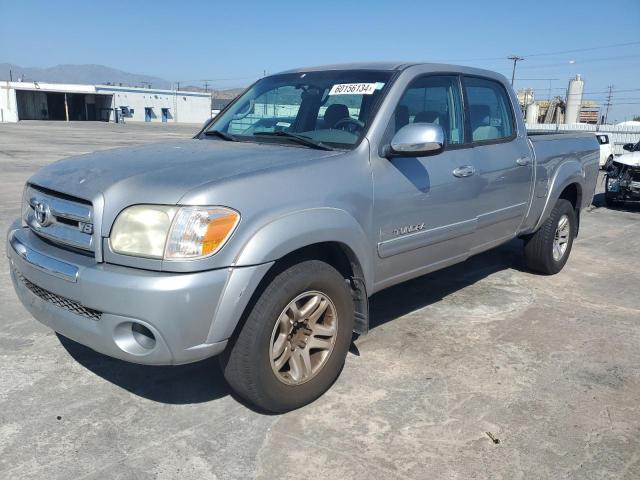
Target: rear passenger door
501,159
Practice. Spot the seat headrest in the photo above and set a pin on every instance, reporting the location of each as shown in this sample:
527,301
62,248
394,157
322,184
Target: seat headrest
426,117
334,114
479,114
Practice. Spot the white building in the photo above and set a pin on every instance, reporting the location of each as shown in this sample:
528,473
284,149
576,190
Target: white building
107,103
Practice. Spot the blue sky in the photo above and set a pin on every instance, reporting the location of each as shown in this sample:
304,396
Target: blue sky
232,43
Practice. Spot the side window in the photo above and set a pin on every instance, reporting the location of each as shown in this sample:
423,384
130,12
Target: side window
490,114
433,99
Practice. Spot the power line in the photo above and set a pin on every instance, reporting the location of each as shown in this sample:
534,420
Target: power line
559,52
576,50
581,62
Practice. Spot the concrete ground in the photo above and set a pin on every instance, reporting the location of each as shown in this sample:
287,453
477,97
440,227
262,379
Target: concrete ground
547,366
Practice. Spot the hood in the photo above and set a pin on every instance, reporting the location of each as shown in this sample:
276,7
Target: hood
632,159
164,172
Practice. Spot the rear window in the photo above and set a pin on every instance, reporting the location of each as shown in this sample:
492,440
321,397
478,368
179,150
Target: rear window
602,139
490,114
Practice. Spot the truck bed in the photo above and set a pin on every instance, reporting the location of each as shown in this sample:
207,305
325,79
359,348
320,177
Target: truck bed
555,154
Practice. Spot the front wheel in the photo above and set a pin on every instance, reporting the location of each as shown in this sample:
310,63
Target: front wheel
295,339
547,250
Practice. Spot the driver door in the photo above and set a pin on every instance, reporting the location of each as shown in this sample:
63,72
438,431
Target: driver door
423,212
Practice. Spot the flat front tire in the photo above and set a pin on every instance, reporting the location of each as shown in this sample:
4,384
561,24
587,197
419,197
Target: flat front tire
295,339
547,250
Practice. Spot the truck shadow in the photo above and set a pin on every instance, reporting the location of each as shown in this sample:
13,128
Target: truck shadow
399,300
203,381
183,384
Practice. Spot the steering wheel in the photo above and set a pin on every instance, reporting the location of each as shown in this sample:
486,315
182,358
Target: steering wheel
349,124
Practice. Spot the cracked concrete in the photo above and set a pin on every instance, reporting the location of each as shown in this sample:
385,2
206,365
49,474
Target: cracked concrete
550,366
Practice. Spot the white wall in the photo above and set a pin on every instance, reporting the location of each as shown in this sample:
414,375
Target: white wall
8,104
184,107
619,135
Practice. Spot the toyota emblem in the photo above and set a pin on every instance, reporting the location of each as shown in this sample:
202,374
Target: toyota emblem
43,214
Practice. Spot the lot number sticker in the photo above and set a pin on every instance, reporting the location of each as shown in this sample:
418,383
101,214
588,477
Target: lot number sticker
355,88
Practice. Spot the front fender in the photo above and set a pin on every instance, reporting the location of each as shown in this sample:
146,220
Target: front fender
571,171
296,230
276,239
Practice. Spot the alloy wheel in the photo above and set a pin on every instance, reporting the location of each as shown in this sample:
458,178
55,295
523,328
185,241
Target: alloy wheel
303,338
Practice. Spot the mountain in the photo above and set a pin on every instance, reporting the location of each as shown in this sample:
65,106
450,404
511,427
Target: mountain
99,74
91,74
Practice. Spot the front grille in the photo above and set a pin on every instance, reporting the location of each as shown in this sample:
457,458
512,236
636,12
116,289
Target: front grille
62,302
63,220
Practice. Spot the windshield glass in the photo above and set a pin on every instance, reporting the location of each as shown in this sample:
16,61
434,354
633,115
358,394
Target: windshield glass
329,108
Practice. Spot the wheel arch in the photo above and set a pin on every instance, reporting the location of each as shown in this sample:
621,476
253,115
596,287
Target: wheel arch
326,234
566,183
331,227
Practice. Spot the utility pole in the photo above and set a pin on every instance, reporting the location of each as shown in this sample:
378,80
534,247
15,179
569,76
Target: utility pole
10,75
66,107
515,59
206,85
608,104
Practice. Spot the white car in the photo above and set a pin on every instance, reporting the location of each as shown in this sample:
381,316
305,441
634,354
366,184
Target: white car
606,148
622,180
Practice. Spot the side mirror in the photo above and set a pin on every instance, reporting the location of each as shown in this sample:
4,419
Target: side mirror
416,140
628,147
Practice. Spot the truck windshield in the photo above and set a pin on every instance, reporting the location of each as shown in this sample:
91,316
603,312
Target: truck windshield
325,109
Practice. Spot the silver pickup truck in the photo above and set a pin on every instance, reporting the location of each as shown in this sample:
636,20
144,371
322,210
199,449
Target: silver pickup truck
262,238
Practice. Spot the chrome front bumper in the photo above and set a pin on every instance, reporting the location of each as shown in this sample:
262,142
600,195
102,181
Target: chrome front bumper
59,289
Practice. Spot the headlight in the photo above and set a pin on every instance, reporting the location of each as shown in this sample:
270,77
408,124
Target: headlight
200,231
172,233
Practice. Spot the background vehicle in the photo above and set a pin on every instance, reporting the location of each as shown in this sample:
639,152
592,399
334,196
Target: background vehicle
622,180
262,238
606,148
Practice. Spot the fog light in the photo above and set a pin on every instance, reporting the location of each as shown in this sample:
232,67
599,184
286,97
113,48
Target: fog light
134,338
143,336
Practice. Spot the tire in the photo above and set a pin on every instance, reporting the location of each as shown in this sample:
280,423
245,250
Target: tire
250,363
539,248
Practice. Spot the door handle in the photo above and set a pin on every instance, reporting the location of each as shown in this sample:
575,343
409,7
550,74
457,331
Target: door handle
464,171
523,161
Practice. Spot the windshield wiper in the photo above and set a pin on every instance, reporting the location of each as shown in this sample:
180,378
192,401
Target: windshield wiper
301,139
222,135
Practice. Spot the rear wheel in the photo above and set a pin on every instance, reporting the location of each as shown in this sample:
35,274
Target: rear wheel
295,339
547,250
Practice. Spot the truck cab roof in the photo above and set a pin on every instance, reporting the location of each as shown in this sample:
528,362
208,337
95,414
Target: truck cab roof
396,66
